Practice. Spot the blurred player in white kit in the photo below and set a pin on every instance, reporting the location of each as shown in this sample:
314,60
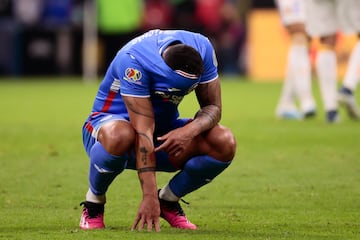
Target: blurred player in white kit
352,75
297,82
324,18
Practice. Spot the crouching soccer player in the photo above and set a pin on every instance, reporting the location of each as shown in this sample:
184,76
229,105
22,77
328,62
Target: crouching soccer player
135,124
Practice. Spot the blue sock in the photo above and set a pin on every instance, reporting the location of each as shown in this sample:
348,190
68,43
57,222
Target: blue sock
197,172
104,167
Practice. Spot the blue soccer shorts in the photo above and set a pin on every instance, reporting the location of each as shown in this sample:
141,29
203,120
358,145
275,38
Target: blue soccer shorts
95,121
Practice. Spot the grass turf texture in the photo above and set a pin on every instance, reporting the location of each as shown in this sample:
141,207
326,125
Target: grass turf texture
289,179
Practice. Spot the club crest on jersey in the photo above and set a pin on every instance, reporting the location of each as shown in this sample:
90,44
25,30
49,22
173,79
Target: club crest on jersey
132,74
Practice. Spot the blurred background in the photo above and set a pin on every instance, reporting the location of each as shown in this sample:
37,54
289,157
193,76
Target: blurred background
80,37
76,37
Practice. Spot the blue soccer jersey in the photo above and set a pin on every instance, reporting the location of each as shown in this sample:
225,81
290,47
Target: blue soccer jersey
139,70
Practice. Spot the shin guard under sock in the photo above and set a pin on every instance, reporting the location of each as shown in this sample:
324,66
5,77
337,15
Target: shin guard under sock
104,167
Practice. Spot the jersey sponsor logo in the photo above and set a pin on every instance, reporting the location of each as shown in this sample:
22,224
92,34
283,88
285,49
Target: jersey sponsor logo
133,75
174,89
169,97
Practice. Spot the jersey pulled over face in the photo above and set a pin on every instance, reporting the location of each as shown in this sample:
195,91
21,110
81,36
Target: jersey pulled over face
138,70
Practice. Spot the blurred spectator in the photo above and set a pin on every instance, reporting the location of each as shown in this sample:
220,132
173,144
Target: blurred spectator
8,39
208,15
5,8
263,3
57,12
157,14
118,22
77,13
38,35
220,21
231,40
28,12
44,37
184,15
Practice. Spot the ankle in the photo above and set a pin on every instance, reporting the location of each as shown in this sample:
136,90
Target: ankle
94,209
167,194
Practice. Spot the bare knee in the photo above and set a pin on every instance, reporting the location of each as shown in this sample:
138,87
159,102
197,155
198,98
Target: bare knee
229,144
222,144
117,137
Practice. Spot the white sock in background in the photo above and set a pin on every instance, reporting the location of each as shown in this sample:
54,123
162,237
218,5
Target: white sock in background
352,75
287,97
327,74
299,61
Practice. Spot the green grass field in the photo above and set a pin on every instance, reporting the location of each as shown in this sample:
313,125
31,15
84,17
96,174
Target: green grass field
289,179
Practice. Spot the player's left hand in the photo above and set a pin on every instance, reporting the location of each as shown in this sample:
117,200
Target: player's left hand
148,215
175,142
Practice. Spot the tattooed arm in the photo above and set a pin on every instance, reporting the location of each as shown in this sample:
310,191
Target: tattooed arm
142,119
178,140
209,98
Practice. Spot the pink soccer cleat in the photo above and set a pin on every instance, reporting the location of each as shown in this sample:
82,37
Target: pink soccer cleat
174,215
92,216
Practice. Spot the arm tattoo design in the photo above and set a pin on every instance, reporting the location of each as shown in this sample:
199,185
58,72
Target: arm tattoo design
211,113
144,152
146,169
133,108
144,135
210,103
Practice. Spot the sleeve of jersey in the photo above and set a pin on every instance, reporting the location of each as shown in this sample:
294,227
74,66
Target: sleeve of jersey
133,79
210,64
